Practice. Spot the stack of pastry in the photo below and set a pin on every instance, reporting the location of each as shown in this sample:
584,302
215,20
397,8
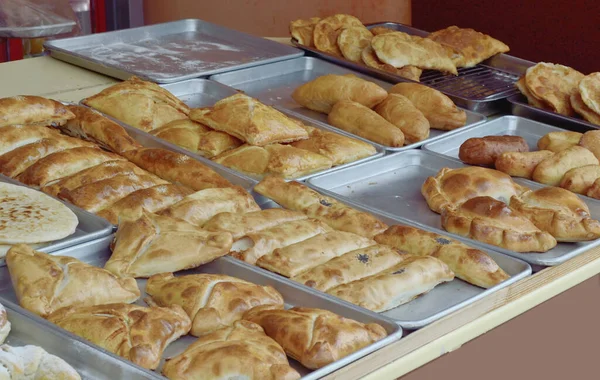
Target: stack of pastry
401,116
405,55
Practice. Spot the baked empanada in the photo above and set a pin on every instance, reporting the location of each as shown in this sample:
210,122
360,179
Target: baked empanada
591,141
594,190
582,109
240,225
579,180
370,59
559,141
400,111
302,30
554,84
552,169
521,164
327,30
352,41
14,136
32,110
521,85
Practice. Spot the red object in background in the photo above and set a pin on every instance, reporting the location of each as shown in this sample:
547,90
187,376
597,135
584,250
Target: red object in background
98,16
15,48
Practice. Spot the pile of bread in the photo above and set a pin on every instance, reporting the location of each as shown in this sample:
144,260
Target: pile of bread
563,90
400,116
238,131
399,53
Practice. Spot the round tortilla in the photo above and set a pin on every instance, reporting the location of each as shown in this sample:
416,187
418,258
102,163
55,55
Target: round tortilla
589,87
29,216
327,30
554,84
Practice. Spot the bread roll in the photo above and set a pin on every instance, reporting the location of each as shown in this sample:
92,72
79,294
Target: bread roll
521,164
552,169
485,150
558,141
398,110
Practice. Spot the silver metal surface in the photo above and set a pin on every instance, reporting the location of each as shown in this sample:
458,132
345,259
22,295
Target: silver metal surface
273,84
392,187
37,31
97,253
169,52
445,298
204,93
520,107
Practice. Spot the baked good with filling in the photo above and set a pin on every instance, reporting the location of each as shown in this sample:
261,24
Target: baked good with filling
328,29
552,169
400,111
32,110
240,225
559,141
521,164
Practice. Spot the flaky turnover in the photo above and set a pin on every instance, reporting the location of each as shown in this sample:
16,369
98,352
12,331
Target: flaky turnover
33,110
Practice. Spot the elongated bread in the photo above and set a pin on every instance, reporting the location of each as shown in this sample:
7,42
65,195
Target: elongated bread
33,110
579,180
400,111
552,169
485,150
324,92
521,164
240,225
15,136
559,141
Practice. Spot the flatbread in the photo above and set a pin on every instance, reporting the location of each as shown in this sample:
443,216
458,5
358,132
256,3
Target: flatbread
589,87
554,84
352,41
328,29
29,216
302,30
582,109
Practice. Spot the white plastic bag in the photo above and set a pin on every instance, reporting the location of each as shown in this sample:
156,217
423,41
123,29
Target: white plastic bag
36,18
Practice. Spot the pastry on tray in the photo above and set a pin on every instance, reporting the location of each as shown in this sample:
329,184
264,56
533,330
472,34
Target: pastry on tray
197,138
352,41
240,225
33,110
351,266
439,109
491,221
250,121
141,104
558,141
4,324
594,190
531,99
136,333
485,150
298,197
552,169
579,180
33,363
302,30
559,212
400,111
357,119
370,59
45,283
452,187
212,301
328,29
240,351
16,136
589,88
472,47
591,141
152,244
397,285
315,337
322,93
582,109
281,160
521,164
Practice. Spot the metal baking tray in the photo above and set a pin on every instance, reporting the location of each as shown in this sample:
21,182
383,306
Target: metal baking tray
90,227
169,52
481,88
274,84
392,187
97,253
444,299
204,93
521,107
88,360
36,31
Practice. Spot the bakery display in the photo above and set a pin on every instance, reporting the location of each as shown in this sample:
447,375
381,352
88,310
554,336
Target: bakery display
485,150
33,363
212,301
154,244
46,283
558,141
315,337
327,31
352,41
402,113
136,333
551,170
521,164
32,110
369,58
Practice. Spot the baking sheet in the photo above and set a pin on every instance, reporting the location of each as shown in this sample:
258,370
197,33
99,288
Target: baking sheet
274,84
392,187
90,362
169,52
97,253
521,107
445,298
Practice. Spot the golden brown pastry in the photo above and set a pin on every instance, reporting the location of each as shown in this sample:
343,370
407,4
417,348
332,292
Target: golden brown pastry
552,169
152,199
439,109
196,138
338,148
521,164
589,88
324,92
559,141
14,136
143,105
399,110
485,150
468,264
451,187
241,351
64,163
302,30
582,109
33,363
554,84
327,30
400,49
521,85
381,30
276,159
33,110
351,266
297,258
255,245
92,126
249,120
491,221
152,244
240,225
397,285
357,119
370,59
559,212
136,333
579,180
315,337
352,41
591,141
594,190
212,301
177,168
473,47
297,197
45,283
